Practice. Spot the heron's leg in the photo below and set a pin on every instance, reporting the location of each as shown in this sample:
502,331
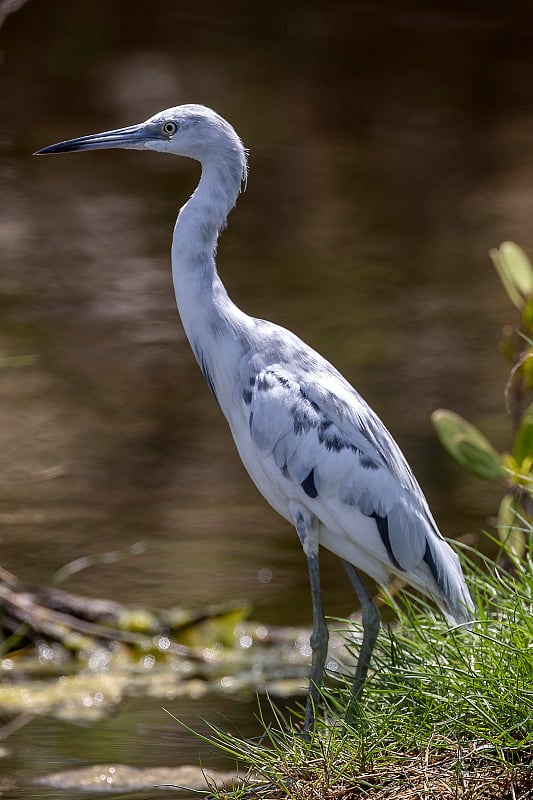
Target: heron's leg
319,644
370,619
307,529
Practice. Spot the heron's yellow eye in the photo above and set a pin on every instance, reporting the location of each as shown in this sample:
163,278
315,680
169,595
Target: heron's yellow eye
169,128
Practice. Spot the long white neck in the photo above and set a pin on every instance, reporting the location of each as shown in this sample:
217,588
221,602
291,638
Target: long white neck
211,320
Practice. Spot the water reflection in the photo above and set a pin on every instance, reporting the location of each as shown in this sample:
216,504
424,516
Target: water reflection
389,150
123,739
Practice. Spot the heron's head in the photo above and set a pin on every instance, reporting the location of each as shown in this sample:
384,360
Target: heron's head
189,130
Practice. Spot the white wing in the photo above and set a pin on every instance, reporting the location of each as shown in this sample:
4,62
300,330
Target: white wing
326,439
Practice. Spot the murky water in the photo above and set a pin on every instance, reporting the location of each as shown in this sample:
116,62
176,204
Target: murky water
389,150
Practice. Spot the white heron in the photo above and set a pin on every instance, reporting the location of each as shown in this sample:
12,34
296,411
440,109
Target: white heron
313,447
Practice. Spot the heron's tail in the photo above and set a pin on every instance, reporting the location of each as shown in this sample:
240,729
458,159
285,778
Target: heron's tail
449,588
461,611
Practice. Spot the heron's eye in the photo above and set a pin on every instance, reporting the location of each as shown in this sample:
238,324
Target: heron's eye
169,129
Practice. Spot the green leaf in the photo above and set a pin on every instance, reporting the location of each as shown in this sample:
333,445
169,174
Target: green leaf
523,443
509,527
515,271
527,316
467,445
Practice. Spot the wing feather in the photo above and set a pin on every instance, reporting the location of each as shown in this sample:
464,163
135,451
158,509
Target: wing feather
325,439
328,460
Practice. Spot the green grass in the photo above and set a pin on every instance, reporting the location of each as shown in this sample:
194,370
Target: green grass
445,713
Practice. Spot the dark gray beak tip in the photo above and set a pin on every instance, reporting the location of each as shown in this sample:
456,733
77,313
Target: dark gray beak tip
44,151
61,147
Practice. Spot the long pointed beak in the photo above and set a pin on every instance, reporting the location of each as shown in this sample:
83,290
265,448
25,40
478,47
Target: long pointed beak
132,137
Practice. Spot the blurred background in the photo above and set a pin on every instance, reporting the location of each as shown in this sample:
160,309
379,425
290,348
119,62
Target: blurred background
390,148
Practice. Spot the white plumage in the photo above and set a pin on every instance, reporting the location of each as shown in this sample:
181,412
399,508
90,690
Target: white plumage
311,444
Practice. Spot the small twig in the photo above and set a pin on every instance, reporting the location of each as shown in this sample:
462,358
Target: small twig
8,577
14,725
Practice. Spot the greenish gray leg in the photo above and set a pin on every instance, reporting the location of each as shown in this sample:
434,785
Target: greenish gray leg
307,528
370,619
319,644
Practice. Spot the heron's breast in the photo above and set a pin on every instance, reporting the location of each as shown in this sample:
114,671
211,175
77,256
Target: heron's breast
263,471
